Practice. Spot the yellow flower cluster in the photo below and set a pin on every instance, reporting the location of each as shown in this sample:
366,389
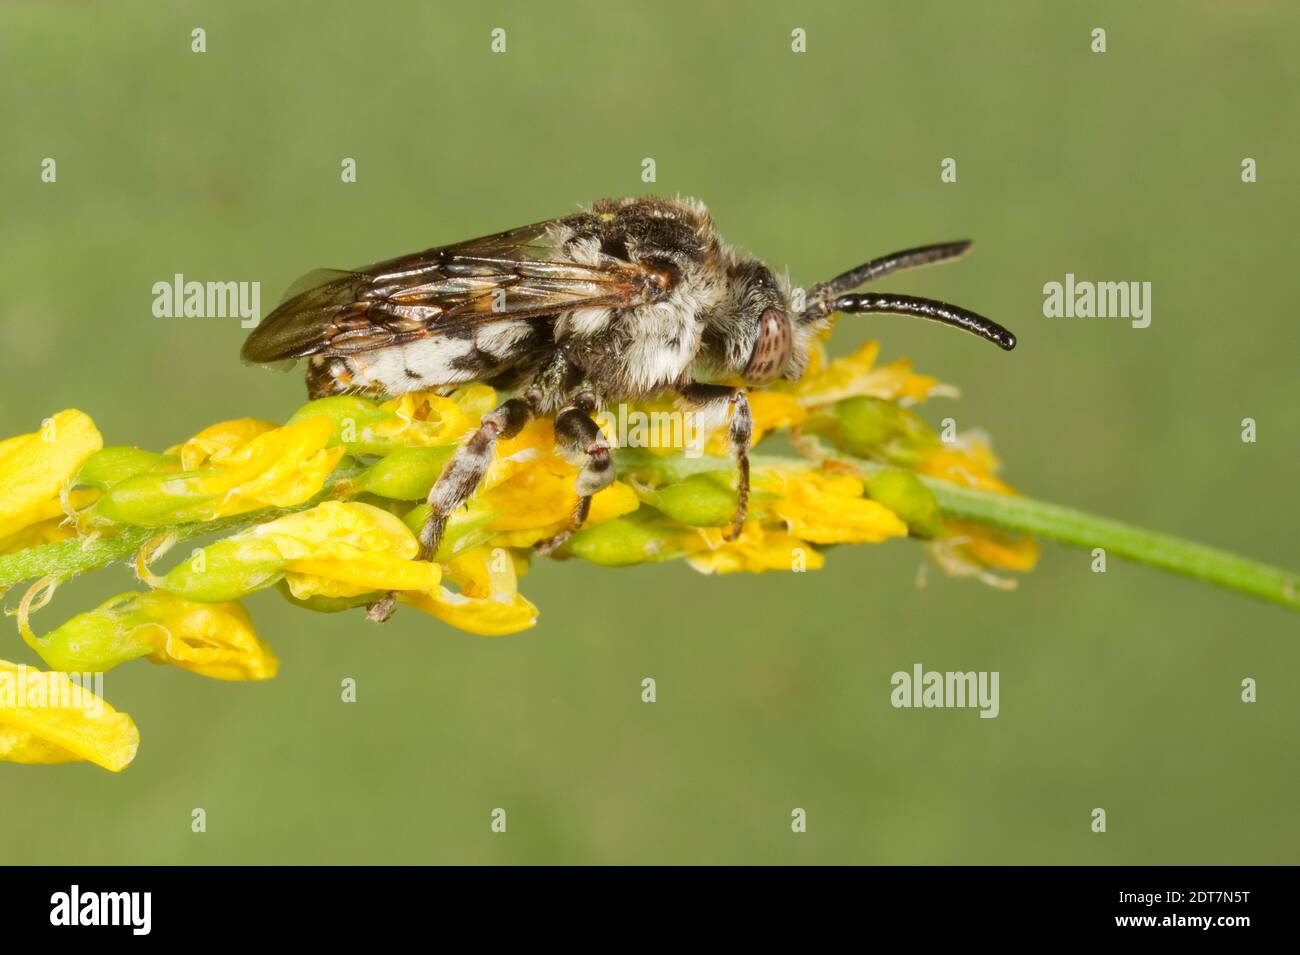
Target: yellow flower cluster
325,508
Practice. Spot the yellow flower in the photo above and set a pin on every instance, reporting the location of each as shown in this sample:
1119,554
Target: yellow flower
756,550
857,375
415,420
345,552
210,639
229,468
256,466
46,718
825,507
49,531
36,469
335,549
992,548
216,640
530,490
488,602
423,419
970,464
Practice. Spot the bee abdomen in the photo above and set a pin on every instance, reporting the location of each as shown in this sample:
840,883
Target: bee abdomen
472,354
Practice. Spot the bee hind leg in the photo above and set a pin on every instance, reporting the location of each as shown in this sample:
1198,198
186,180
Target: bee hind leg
458,480
579,441
711,399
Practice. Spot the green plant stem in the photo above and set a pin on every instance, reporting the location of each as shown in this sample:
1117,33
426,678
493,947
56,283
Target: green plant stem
1068,526
69,558
1039,518
79,555
1054,522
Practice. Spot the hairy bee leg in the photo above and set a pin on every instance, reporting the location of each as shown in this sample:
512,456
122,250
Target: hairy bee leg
739,434
580,442
458,480
464,472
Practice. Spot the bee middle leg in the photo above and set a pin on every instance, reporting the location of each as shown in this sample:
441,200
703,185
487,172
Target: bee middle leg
579,440
718,398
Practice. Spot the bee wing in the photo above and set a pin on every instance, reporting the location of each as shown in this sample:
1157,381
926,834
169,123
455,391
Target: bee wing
511,275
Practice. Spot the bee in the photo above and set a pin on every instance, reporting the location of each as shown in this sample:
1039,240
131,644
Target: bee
627,299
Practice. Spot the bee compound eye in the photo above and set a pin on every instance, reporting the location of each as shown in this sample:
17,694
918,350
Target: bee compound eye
772,350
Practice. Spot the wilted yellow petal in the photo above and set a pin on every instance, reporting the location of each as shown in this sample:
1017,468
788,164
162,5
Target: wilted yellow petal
828,508
531,508
973,465
488,602
363,573
423,419
219,442
55,527
532,449
358,547
485,616
212,639
756,550
216,640
483,572
46,718
35,468
533,498
993,548
857,374
531,489
337,529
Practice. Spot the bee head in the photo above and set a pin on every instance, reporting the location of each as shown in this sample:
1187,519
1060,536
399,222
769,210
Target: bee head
755,335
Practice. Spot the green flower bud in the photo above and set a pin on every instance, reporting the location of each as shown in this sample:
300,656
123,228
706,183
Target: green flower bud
95,641
215,640
150,499
354,419
226,570
864,426
325,604
110,466
702,500
628,540
406,474
466,529
904,494
648,467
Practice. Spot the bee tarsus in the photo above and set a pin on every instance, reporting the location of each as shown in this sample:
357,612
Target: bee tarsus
556,541
718,400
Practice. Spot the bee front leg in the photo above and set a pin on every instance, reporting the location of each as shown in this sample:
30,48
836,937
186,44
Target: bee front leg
579,441
718,399
458,480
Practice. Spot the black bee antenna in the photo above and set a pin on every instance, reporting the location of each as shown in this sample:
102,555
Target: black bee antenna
886,265
827,297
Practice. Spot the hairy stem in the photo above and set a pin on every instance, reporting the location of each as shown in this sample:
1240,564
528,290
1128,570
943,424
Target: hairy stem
79,555
69,558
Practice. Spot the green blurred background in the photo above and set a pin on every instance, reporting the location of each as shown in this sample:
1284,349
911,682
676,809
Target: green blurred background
1118,690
